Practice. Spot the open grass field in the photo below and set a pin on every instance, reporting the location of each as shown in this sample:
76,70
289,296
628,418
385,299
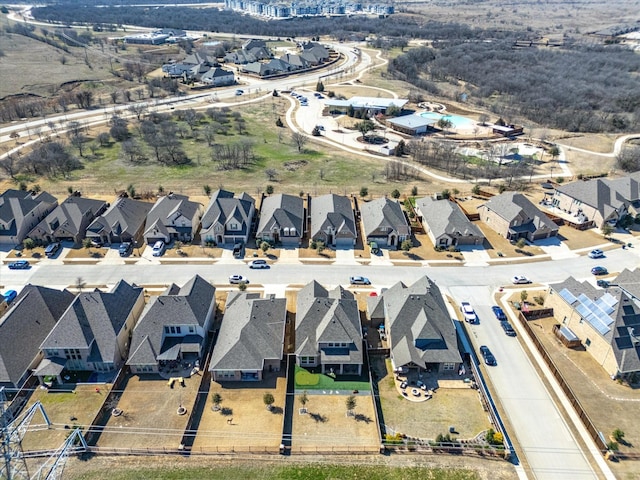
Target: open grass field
292,468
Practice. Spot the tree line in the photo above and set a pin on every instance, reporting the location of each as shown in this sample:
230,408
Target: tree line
581,87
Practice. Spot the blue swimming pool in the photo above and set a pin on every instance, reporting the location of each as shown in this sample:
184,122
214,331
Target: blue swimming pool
458,121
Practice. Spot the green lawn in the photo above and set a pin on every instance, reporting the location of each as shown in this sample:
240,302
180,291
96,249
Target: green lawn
289,472
306,380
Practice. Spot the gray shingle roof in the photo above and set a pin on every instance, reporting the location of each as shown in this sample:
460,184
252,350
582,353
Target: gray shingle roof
511,205
16,205
419,326
323,316
383,213
188,305
281,211
332,211
446,218
69,217
94,320
167,206
25,325
252,331
223,207
124,216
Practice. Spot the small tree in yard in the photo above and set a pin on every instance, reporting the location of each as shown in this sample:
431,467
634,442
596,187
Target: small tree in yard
414,191
216,398
350,403
617,435
395,193
523,296
606,230
242,286
28,244
86,243
207,190
320,246
304,399
364,191
299,140
476,189
279,122
268,400
521,243
269,189
264,246
406,245
319,86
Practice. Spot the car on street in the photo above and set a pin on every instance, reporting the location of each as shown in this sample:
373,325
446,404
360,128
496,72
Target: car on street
258,264
9,296
237,279
125,249
499,313
468,312
598,270
597,253
359,281
158,248
487,356
602,283
520,279
508,329
19,265
239,92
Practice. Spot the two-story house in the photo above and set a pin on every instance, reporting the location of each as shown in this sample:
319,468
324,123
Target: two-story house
228,219
332,221
251,338
24,326
282,220
328,330
68,221
384,222
173,328
173,217
514,216
20,211
93,333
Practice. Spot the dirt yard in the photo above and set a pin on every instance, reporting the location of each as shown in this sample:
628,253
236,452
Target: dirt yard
326,424
458,407
150,417
243,422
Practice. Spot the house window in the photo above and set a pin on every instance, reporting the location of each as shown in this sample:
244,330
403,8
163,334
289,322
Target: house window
192,330
587,342
72,354
166,329
178,330
234,226
173,329
448,366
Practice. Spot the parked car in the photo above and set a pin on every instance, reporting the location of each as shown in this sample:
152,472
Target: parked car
236,279
19,265
359,281
597,253
158,248
96,242
258,264
10,296
468,312
520,279
602,283
238,250
599,270
51,249
499,313
508,329
487,356
125,249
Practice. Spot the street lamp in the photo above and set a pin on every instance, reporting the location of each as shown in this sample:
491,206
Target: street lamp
552,168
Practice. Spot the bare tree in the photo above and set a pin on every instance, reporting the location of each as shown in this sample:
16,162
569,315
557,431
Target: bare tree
271,173
299,140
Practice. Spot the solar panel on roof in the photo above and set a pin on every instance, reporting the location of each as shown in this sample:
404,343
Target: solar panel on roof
609,299
567,296
596,313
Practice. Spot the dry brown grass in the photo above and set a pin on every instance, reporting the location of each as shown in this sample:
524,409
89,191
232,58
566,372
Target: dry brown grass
251,425
149,416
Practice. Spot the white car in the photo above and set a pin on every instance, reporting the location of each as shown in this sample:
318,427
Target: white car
597,253
359,281
237,279
520,279
258,264
468,312
158,248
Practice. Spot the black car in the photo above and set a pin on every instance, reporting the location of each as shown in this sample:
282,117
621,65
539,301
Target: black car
488,357
508,329
125,249
499,313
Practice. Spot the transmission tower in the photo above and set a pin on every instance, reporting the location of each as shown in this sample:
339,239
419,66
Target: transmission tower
14,466
52,469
